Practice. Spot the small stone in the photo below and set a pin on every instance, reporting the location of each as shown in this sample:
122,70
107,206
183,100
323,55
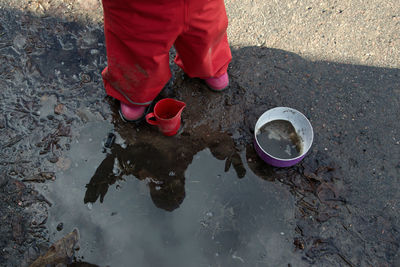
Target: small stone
59,109
85,78
60,226
19,41
110,140
48,175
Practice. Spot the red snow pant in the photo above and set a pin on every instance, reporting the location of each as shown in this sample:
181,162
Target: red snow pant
140,33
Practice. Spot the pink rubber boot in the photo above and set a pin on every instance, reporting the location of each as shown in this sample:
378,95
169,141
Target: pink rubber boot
218,83
132,113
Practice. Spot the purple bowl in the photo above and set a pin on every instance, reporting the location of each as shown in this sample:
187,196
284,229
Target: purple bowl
300,123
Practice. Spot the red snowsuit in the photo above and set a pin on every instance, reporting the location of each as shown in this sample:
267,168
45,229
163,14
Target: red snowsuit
140,33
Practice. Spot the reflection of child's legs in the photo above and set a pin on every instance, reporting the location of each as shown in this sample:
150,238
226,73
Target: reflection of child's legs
202,48
139,35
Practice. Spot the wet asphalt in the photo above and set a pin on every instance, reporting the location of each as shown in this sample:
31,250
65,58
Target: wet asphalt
202,197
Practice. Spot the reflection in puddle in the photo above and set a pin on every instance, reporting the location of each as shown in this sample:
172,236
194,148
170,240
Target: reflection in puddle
165,178
129,193
164,170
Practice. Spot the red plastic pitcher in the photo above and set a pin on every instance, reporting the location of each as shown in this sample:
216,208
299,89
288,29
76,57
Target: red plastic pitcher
167,116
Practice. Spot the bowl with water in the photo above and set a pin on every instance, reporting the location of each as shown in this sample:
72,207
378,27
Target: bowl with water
283,136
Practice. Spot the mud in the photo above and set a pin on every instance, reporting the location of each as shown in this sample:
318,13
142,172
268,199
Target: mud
202,197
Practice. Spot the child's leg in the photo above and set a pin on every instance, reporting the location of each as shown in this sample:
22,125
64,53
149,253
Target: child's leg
139,35
202,48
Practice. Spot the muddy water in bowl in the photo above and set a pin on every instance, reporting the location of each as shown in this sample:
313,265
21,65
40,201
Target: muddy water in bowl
296,124
279,139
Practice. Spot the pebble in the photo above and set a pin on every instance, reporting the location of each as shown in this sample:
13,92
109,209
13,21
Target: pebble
60,226
110,140
59,109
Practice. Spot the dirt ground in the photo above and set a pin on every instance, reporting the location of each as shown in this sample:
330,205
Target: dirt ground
335,61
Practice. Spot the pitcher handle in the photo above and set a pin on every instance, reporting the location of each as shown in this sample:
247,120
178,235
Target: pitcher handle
149,117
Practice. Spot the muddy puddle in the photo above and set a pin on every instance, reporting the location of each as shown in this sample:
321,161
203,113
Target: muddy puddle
133,205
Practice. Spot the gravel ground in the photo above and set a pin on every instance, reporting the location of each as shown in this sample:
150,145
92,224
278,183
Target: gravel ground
354,32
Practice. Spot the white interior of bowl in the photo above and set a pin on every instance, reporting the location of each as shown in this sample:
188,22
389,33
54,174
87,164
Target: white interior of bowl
300,123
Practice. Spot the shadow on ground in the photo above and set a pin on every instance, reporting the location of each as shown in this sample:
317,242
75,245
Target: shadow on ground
342,204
